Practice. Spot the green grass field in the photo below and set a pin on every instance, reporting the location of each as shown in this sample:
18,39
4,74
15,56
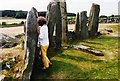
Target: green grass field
74,64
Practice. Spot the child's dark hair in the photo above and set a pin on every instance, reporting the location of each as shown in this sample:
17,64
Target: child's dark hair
41,21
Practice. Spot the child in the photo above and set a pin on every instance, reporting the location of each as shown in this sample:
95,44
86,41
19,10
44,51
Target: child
44,41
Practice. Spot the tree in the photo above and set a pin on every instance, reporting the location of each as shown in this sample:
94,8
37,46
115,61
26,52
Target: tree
20,14
8,13
103,16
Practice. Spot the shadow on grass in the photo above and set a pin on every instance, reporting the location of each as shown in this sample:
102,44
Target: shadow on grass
80,59
90,42
106,38
97,61
54,52
60,70
38,62
76,58
97,40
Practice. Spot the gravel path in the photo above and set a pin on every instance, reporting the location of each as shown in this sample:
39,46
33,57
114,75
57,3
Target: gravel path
12,31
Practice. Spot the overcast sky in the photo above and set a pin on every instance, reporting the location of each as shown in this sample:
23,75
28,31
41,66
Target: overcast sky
108,7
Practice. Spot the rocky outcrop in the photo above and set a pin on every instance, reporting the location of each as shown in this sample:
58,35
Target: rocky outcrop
86,49
7,41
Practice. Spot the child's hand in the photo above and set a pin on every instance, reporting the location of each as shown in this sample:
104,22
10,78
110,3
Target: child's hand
38,30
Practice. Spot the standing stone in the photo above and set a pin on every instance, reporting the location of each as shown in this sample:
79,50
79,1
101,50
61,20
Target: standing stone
58,27
51,19
77,26
30,43
64,21
54,20
24,27
94,19
83,24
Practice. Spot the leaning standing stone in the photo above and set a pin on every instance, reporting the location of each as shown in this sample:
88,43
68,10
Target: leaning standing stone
94,19
30,43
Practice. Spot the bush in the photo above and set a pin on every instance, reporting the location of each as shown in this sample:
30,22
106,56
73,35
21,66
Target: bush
14,24
3,23
22,22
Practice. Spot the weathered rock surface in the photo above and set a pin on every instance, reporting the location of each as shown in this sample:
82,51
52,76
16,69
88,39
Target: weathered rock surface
77,26
71,36
30,43
54,21
83,23
7,41
63,8
94,19
86,49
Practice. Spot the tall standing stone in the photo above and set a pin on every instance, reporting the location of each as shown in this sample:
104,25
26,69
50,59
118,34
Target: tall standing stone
51,18
63,7
58,27
94,19
77,26
54,20
30,43
83,23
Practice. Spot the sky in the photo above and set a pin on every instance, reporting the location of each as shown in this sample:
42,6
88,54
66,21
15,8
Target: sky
108,7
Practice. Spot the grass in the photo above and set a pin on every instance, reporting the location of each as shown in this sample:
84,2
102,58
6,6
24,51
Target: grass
11,22
76,64
108,45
